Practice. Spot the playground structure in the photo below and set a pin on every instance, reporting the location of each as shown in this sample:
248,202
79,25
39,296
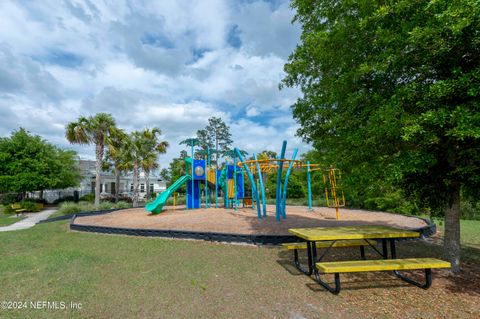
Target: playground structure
230,179
331,196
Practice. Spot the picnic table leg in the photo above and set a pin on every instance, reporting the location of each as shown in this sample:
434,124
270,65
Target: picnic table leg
428,272
426,285
393,250
309,270
334,290
384,249
362,252
311,258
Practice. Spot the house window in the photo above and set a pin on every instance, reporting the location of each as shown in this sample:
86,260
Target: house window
142,188
131,187
151,188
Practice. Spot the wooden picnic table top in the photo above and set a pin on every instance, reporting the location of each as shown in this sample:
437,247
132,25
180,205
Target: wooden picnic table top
352,232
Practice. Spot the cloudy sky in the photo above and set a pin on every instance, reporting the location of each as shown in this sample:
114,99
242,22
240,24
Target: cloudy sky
170,64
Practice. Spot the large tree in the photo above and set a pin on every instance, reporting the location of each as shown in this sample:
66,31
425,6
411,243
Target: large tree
116,157
215,135
92,130
152,147
29,163
393,87
142,151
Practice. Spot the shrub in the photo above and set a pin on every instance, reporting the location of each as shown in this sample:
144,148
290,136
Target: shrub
29,206
67,208
8,210
105,206
35,200
64,199
88,198
123,205
470,209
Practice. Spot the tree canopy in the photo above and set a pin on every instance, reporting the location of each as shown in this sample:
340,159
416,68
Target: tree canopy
391,89
216,135
93,130
29,163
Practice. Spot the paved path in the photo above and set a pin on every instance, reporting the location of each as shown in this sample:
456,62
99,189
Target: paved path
30,221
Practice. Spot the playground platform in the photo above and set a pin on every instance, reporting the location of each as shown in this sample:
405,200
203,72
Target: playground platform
243,224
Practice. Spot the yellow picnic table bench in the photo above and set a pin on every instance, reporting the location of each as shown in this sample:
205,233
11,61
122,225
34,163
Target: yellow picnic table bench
18,208
369,234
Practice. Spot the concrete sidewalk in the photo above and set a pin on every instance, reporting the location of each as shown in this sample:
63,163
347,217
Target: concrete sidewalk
30,221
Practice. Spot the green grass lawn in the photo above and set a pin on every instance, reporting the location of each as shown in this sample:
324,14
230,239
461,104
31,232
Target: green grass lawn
470,233
6,220
130,277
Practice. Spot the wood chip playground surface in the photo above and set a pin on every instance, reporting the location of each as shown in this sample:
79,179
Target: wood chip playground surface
245,221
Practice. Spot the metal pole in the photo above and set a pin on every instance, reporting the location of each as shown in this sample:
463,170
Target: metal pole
216,186
309,187
206,181
226,187
279,182
262,187
208,167
252,182
193,189
216,182
235,181
285,184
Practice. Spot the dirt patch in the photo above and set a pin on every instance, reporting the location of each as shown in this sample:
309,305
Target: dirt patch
245,221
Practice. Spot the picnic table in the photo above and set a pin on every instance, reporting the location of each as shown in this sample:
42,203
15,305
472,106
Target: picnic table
333,234
351,236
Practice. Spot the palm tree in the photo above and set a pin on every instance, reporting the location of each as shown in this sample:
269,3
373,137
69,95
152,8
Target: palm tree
141,152
151,148
92,130
115,158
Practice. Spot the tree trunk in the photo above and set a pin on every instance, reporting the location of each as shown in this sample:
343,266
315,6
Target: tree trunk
452,230
98,171
135,183
147,183
117,184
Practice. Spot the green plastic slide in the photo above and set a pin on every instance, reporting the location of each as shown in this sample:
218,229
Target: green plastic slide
156,206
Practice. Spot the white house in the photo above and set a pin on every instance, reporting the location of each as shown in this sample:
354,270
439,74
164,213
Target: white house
108,185
107,188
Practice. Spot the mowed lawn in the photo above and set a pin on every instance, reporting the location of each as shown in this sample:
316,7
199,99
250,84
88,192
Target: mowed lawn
129,277
6,220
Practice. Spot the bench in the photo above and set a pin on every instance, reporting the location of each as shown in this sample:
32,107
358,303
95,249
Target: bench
396,265
327,244
18,209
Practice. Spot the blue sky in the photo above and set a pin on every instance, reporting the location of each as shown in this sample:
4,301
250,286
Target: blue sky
170,64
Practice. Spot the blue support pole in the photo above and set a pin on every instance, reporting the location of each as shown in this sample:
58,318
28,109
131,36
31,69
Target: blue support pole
193,189
216,185
279,182
227,204
235,181
206,182
309,187
252,182
262,187
285,184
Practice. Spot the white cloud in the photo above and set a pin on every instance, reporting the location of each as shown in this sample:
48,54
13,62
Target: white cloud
171,64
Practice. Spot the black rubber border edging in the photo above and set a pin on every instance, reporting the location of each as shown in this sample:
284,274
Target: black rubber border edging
70,216
426,231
